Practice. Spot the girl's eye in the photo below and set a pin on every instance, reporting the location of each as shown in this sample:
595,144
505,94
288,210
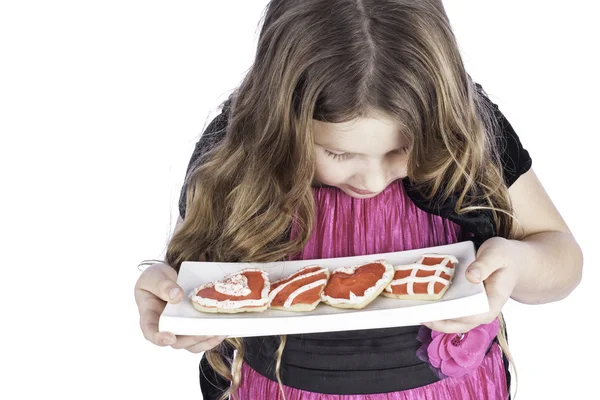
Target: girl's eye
336,156
403,150
344,156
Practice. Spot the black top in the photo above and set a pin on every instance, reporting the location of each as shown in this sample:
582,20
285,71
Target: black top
365,361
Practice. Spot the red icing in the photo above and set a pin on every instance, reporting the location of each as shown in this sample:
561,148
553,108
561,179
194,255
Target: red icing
340,284
256,283
303,271
436,260
309,297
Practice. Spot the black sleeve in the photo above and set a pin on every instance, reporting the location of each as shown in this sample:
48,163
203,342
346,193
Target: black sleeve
514,157
210,138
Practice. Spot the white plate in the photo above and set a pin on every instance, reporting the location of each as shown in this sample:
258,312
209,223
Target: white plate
462,298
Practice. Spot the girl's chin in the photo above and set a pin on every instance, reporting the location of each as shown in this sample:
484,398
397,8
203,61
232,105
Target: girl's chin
346,189
356,194
359,195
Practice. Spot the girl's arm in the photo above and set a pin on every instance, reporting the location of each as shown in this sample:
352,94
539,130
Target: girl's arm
543,266
548,259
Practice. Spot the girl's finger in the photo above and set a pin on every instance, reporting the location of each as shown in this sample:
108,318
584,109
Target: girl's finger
499,287
149,324
489,259
450,326
206,345
462,325
184,341
156,281
480,270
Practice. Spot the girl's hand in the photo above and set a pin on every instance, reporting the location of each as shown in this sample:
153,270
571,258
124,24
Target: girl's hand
155,287
497,266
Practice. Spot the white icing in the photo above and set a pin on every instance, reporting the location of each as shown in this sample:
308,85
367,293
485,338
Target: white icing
229,304
445,257
346,270
422,267
354,299
299,272
432,279
303,289
233,285
279,288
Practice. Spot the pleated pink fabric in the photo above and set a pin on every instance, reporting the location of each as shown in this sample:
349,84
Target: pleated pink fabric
345,227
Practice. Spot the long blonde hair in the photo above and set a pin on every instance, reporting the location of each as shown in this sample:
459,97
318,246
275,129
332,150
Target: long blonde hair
336,60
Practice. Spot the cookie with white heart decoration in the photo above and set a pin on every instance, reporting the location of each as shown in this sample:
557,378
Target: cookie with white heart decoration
243,291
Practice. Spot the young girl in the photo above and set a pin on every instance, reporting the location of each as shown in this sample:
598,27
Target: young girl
358,131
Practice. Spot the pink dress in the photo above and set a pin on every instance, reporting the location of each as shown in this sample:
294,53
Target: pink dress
346,226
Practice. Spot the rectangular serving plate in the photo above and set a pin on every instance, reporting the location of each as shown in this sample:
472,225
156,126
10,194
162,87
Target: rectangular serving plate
462,298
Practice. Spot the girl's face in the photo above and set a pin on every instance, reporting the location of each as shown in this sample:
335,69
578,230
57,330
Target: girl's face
361,157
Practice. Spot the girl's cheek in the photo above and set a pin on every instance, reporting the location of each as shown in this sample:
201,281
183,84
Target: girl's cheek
330,176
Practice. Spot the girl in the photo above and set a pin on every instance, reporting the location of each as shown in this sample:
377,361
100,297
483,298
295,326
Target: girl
358,131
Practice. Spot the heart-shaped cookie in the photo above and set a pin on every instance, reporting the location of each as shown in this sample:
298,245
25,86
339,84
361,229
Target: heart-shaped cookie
243,291
357,286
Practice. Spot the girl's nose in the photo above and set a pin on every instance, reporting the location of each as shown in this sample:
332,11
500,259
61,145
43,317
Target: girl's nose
375,178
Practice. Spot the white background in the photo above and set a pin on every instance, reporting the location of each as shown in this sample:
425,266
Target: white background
101,103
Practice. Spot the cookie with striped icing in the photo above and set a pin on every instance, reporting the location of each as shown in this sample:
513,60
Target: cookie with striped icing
301,291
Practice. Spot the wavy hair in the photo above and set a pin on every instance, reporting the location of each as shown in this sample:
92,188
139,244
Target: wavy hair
334,61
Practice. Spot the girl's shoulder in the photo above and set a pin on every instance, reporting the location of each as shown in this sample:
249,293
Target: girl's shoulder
514,157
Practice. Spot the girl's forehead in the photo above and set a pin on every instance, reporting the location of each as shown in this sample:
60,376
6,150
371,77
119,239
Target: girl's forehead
372,134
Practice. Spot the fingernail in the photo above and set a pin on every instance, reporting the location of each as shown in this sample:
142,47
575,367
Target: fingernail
475,274
173,293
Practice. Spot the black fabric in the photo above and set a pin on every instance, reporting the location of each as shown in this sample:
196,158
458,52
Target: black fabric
514,157
366,361
351,362
212,385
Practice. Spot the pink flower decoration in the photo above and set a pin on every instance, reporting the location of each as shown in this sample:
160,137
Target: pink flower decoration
456,354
